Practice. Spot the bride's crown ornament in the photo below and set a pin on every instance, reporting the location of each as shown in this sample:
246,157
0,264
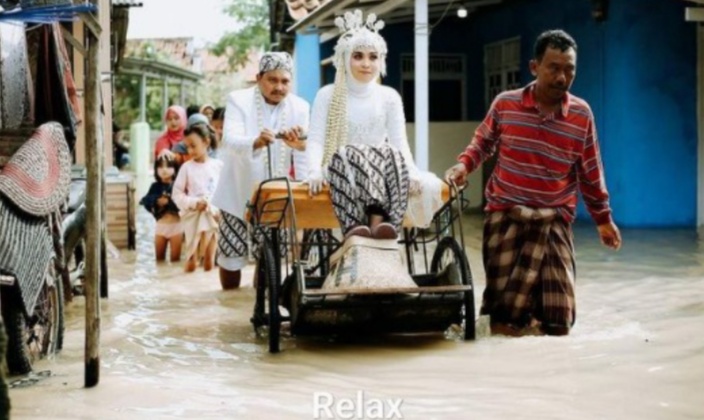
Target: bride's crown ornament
358,34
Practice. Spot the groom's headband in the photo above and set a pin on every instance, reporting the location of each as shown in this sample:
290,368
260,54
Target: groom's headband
276,61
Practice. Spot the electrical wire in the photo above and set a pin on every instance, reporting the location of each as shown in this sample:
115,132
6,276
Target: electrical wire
419,29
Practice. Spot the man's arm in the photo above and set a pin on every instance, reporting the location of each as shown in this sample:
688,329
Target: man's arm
484,142
482,146
590,173
234,130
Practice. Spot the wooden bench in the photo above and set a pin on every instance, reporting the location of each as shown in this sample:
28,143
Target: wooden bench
311,212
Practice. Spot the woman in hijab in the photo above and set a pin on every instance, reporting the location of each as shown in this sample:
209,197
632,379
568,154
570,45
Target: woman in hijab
175,119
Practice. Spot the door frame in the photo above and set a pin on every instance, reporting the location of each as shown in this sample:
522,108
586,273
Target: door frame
700,128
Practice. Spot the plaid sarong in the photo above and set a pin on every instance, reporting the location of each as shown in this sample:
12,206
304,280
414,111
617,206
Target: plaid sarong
529,263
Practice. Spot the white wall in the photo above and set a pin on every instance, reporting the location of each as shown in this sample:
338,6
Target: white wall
447,140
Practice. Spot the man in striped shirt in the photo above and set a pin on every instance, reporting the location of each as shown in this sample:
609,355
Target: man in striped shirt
547,150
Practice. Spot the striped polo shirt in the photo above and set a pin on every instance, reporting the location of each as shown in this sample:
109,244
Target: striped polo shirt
542,159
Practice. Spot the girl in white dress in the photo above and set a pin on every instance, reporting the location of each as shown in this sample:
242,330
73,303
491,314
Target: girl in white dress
357,141
192,193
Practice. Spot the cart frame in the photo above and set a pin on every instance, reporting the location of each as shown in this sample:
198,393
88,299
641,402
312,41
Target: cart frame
444,294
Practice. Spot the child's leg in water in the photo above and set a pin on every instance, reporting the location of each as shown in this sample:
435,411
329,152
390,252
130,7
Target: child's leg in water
175,247
209,255
160,243
197,256
192,263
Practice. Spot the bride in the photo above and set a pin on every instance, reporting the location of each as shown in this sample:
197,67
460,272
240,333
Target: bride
357,139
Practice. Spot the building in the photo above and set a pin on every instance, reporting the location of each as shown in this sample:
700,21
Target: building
187,54
637,66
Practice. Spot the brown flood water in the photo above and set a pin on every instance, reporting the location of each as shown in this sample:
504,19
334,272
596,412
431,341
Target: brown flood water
175,346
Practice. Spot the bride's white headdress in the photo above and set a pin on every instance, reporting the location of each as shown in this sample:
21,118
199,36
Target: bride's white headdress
356,34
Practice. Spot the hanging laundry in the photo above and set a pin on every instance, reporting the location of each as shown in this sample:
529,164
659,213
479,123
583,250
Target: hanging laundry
52,101
14,100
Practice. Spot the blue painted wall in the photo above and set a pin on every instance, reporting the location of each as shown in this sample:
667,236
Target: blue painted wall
638,72
306,62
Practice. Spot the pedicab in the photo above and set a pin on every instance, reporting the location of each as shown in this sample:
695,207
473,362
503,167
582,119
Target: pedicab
291,272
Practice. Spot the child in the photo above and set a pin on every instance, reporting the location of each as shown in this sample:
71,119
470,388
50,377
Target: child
218,121
159,203
179,149
207,110
193,189
175,124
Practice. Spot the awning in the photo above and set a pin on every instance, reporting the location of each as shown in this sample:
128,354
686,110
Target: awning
321,19
157,69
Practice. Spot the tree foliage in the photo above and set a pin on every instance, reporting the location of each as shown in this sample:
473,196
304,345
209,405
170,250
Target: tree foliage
126,101
252,33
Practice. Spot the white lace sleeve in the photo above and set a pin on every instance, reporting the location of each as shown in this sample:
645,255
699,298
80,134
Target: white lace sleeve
300,159
396,127
316,132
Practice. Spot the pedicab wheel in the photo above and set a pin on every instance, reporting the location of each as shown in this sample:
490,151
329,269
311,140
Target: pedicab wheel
449,254
266,304
36,337
271,282
274,319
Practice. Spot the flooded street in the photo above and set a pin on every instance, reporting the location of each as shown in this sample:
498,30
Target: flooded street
175,346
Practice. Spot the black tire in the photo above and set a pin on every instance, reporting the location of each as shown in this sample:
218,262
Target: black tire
40,335
266,303
17,361
61,281
447,252
62,319
273,285
4,392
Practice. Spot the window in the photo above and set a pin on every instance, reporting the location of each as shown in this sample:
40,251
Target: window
447,92
502,67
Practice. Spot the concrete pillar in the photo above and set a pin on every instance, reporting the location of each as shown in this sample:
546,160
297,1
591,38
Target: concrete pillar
422,32
143,99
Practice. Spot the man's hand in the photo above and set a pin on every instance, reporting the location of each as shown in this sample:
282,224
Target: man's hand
457,174
162,201
315,183
292,138
610,235
266,137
